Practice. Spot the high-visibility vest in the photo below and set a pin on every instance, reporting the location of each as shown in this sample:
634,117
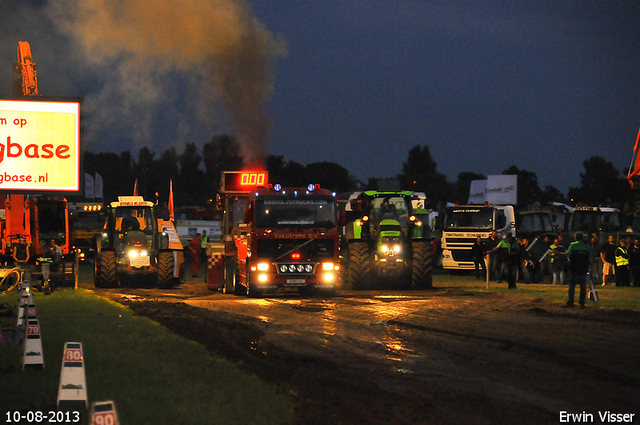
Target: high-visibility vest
620,260
203,242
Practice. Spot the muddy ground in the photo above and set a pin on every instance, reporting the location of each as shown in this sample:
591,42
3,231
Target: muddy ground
443,356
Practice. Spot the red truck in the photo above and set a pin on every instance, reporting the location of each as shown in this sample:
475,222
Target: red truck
274,238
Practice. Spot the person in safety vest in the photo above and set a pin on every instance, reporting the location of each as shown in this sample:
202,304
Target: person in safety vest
204,240
579,253
509,251
622,264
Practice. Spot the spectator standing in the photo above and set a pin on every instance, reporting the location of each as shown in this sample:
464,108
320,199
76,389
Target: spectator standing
558,262
608,257
579,254
478,250
509,253
195,246
545,267
490,244
204,240
634,262
526,262
596,264
622,264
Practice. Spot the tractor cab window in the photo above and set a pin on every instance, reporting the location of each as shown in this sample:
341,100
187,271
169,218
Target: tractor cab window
134,218
390,208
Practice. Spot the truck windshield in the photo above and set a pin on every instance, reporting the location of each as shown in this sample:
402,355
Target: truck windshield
469,218
88,221
535,222
588,221
52,220
302,211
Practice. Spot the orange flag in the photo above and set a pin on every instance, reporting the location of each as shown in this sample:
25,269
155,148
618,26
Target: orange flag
171,200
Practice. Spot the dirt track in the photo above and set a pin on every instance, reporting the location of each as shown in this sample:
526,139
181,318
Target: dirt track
444,356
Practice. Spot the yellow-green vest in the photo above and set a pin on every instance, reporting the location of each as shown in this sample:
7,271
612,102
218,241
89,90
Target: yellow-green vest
620,260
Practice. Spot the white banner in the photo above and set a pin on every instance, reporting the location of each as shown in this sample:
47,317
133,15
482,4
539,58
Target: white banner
89,192
502,190
496,189
99,187
476,191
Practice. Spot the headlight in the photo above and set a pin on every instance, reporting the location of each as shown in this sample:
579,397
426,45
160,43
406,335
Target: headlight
327,266
283,268
133,253
263,266
397,249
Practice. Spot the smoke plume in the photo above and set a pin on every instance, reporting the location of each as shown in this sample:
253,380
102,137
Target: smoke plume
218,46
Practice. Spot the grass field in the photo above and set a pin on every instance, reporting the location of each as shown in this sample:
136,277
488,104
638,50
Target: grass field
153,375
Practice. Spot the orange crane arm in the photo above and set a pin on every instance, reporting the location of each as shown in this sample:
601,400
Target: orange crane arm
634,170
27,69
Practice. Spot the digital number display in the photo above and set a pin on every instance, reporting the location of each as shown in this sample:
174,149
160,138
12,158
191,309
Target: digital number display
243,181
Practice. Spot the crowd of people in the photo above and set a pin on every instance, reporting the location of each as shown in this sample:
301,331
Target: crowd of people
561,263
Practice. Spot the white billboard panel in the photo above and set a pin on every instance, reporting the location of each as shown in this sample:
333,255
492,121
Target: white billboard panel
40,145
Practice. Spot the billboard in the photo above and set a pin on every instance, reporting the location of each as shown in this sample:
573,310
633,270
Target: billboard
40,145
496,189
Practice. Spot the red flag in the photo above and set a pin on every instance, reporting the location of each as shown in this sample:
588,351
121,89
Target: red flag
171,216
135,188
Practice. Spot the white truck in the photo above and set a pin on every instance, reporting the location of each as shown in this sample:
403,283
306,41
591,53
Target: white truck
462,226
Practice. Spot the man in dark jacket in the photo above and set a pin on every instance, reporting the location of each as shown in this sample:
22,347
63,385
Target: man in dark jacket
579,254
478,250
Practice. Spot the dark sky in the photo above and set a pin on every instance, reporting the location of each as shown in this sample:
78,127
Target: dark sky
486,84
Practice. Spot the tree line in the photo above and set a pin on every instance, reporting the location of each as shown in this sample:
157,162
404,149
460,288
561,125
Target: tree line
196,176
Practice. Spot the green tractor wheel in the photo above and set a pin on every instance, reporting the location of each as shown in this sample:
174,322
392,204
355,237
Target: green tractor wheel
105,270
164,265
360,265
421,264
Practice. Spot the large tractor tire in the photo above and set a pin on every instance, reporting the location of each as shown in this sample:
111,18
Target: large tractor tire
164,267
105,270
421,264
360,265
229,276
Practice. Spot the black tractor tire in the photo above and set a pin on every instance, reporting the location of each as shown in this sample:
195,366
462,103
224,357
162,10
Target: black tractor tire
105,271
164,267
237,288
360,266
182,275
421,264
229,276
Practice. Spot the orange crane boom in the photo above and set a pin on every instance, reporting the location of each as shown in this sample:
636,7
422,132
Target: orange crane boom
26,68
634,170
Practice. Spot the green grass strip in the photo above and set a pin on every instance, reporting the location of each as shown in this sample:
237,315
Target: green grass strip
153,375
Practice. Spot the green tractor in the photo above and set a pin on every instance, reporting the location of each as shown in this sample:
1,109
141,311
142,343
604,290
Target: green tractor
386,239
131,248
